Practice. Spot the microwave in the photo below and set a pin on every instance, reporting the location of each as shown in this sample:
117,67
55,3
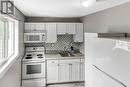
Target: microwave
34,37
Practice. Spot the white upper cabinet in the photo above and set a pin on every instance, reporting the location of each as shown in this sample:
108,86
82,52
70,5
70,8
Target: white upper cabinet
65,28
40,26
29,26
54,29
34,26
70,28
51,33
78,37
61,28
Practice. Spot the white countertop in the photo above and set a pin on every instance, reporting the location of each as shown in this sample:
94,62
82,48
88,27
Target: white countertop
50,56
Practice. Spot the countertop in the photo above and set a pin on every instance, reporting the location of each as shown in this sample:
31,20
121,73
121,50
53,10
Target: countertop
51,56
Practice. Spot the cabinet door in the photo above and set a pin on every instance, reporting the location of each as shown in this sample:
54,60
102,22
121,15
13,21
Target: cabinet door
82,71
29,26
63,72
61,28
75,71
52,71
78,37
51,33
70,28
39,26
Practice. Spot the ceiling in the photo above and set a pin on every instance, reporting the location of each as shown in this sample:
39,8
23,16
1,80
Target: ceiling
62,8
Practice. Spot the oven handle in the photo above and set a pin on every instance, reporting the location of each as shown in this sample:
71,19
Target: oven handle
27,62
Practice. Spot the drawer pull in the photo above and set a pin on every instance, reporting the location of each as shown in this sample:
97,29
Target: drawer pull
52,62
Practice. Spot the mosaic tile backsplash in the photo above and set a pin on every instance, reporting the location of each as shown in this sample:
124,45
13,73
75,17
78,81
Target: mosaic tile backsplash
64,42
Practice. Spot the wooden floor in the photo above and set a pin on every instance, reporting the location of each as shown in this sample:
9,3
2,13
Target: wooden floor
68,85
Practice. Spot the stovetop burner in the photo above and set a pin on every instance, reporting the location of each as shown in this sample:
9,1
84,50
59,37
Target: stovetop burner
34,56
29,54
28,57
39,55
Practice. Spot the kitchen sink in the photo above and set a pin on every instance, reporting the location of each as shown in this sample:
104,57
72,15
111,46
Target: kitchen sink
66,54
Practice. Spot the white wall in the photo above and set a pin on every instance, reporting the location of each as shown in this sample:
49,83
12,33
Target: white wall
116,19
12,77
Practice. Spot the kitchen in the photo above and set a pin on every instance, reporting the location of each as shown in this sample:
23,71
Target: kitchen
58,59
48,44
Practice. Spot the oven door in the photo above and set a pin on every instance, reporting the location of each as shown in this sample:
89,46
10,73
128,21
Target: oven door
33,70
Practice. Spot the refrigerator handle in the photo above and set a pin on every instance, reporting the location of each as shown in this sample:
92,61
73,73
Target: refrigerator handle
110,76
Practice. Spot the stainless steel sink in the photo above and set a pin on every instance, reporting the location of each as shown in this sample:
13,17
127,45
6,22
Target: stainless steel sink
66,54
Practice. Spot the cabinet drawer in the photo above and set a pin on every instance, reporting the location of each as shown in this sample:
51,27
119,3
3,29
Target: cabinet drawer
34,83
83,60
69,61
52,61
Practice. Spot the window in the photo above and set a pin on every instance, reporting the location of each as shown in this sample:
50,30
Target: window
8,39
1,40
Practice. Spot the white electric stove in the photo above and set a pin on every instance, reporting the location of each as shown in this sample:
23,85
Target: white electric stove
33,67
34,54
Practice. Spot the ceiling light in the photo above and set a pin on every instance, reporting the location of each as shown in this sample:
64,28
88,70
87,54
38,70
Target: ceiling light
88,3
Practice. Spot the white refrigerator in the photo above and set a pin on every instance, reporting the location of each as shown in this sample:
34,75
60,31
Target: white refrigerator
107,61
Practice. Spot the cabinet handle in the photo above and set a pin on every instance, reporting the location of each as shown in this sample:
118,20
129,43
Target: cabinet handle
67,33
52,62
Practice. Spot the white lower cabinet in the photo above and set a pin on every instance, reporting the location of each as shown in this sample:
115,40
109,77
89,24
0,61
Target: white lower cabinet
65,71
82,71
75,72
52,71
63,74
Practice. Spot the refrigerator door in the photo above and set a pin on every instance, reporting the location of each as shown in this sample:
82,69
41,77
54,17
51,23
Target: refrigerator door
112,56
102,80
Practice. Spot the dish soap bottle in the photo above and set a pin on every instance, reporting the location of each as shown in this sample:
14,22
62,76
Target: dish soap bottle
72,50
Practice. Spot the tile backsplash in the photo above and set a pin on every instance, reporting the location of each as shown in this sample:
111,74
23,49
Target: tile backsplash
63,43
